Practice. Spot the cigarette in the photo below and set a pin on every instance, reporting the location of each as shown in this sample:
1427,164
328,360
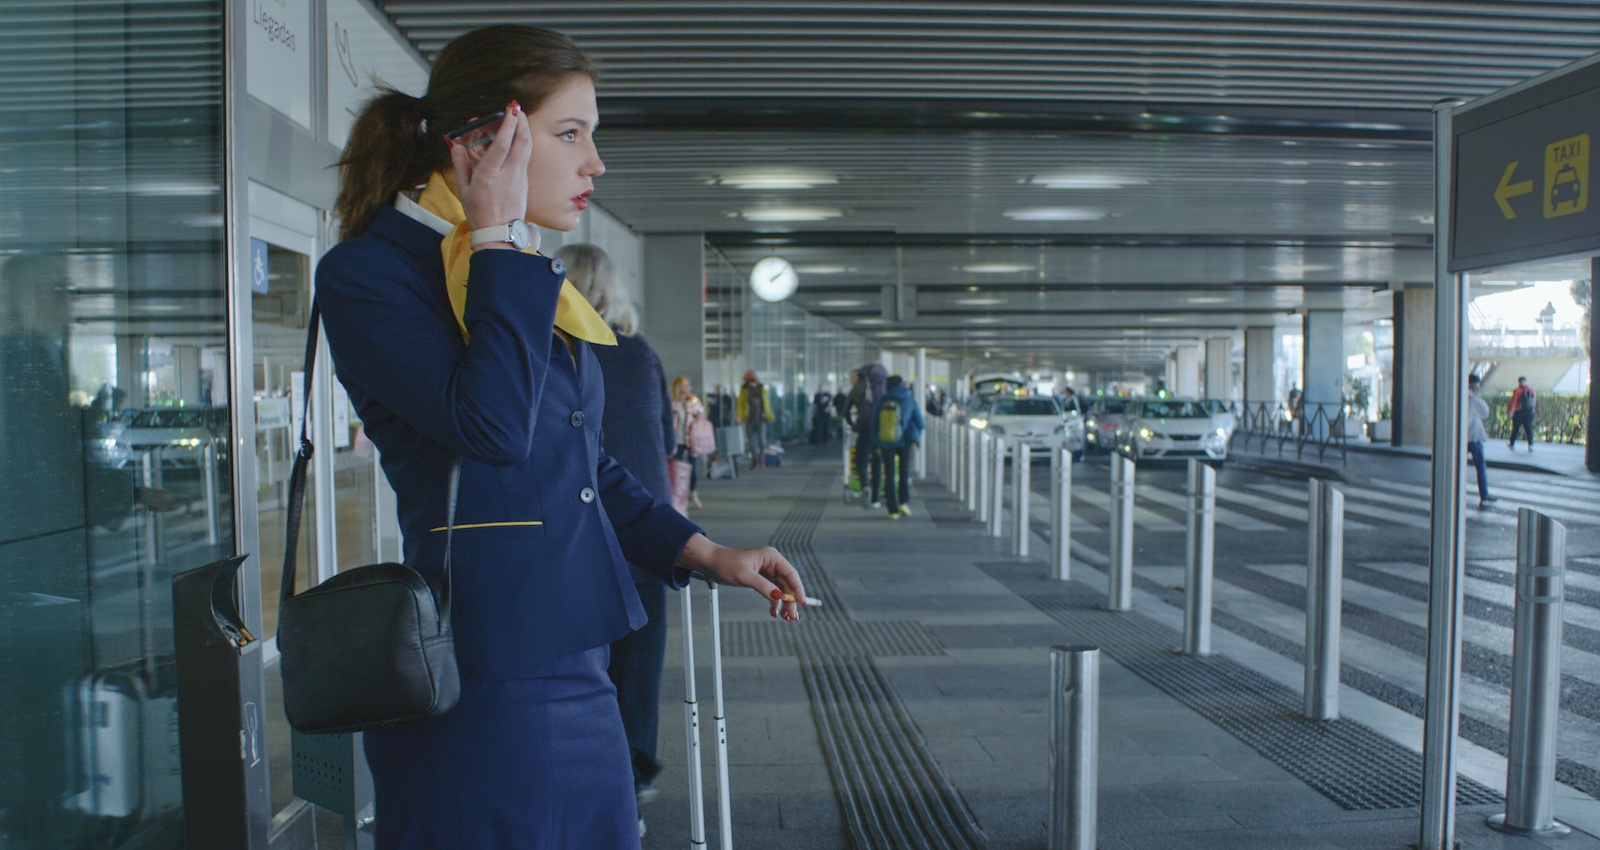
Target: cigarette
811,601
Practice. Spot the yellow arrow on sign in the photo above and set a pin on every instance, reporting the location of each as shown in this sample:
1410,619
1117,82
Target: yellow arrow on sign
1508,190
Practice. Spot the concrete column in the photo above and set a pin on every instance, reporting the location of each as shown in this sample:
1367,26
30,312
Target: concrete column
1219,368
1187,377
1323,375
186,362
1412,402
674,287
1591,450
1260,353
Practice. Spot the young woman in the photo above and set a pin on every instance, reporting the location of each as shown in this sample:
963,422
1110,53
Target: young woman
686,408
456,341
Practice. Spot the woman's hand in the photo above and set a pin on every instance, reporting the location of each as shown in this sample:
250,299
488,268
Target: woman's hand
492,182
761,568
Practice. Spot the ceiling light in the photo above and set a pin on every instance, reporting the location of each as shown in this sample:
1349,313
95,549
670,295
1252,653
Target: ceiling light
819,268
891,333
1084,181
790,213
774,178
980,302
998,268
1423,218
1369,182
1209,299
982,320
1054,214
872,321
1290,182
1161,318
841,302
1368,164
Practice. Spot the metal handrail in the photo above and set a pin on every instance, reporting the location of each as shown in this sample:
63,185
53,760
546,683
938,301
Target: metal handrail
1310,424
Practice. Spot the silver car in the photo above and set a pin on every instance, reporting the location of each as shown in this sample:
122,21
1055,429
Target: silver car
1104,416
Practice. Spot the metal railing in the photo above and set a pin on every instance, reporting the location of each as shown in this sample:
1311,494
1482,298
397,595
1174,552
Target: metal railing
1323,426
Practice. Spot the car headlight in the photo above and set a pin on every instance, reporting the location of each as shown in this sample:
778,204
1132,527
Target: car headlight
1146,433
980,424
1093,425
1221,433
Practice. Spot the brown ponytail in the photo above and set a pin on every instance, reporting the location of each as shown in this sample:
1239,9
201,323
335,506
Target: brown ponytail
397,140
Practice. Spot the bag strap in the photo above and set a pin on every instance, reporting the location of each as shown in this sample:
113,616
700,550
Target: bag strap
297,488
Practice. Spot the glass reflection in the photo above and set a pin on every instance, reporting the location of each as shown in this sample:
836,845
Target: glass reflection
113,418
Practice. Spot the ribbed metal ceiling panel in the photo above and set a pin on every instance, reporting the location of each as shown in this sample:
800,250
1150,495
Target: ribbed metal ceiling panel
1310,54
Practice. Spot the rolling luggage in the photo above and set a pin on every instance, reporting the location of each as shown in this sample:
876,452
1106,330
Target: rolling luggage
691,717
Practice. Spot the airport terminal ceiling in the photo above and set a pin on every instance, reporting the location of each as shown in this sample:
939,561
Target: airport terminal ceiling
1077,184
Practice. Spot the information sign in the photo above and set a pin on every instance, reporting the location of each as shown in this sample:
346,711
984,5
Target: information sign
1523,173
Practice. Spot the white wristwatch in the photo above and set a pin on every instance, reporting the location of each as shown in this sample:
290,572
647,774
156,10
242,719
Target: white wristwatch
516,231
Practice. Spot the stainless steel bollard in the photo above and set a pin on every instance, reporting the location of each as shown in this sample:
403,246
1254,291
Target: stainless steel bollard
997,490
208,492
1535,678
978,467
1074,747
1061,513
1201,539
1021,497
1324,573
1119,597
984,471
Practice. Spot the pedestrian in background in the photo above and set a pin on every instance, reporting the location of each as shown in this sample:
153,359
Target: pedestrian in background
1477,412
821,415
897,426
637,426
1524,401
754,411
686,411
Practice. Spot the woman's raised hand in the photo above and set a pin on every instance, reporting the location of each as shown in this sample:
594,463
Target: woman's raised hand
493,181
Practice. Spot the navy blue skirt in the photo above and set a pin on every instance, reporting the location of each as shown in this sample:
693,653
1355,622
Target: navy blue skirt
524,764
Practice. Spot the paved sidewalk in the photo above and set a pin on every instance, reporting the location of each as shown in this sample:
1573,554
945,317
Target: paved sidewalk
912,709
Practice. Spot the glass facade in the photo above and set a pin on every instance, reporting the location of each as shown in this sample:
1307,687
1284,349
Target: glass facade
114,425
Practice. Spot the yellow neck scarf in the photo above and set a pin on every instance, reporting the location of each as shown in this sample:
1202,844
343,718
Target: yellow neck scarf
574,315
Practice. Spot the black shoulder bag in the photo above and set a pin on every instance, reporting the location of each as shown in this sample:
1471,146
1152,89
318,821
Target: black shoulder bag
372,646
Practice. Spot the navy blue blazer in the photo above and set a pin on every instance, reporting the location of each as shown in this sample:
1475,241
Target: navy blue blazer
546,521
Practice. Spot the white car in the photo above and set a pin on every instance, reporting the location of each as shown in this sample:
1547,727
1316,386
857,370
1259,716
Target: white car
1222,414
1171,428
1035,420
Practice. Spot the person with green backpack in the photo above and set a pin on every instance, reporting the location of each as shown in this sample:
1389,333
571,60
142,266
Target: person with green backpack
897,425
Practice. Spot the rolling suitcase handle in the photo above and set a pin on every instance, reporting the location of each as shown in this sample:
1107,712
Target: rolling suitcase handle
691,720
724,795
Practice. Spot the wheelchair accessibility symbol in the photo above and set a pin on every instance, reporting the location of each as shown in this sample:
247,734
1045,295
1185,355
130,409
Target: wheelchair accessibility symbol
1566,177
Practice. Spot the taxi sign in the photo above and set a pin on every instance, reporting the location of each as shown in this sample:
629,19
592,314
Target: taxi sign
1522,172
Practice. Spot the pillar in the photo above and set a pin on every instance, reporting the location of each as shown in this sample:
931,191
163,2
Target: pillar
1411,404
1591,450
1323,372
1260,353
674,289
1219,368
1187,383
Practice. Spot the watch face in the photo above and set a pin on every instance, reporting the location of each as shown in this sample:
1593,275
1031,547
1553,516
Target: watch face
773,279
521,236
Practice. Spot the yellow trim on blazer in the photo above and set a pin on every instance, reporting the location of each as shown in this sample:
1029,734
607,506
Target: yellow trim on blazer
488,525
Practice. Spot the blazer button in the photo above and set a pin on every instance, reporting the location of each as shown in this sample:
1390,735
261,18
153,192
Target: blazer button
576,419
557,267
586,495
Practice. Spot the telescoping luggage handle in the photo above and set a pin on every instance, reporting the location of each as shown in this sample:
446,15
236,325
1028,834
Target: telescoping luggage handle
297,490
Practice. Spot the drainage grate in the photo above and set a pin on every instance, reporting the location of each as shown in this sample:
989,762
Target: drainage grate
764,639
1344,760
894,794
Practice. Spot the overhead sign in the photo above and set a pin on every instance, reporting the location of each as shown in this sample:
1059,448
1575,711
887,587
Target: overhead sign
1522,180
278,56
364,50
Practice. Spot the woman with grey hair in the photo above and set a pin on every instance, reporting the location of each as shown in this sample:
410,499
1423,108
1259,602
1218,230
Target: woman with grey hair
638,432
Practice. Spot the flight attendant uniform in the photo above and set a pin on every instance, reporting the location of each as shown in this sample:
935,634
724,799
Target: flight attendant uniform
534,754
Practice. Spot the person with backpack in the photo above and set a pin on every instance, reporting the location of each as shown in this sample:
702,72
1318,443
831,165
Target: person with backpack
754,411
897,425
871,383
1524,402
